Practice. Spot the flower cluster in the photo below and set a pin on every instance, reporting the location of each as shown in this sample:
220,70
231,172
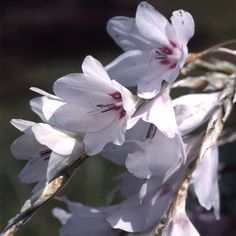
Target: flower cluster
155,138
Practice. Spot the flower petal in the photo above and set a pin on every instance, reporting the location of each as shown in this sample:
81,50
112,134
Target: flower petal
151,24
22,125
160,112
180,226
159,156
25,147
95,141
45,107
183,24
193,110
130,66
125,33
205,181
34,170
56,140
93,68
57,162
85,118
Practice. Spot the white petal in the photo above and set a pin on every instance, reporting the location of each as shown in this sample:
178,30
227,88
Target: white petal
45,107
159,156
129,101
117,153
205,181
125,33
85,220
151,24
56,140
95,141
57,162
180,226
93,68
85,118
25,147
61,215
41,92
34,170
22,125
130,67
73,86
150,85
137,163
130,185
183,25
193,110
132,216
129,217
160,112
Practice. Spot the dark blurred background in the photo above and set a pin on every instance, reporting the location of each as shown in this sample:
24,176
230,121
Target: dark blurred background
42,40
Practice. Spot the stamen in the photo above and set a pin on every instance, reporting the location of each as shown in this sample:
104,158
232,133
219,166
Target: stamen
42,155
151,131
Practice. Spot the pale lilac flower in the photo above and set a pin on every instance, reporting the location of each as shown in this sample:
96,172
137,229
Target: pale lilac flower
205,181
155,49
95,105
47,149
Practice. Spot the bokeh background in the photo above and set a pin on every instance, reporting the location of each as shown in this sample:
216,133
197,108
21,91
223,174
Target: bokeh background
42,40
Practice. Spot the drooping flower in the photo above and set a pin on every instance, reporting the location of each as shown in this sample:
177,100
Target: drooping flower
205,181
155,50
95,105
47,149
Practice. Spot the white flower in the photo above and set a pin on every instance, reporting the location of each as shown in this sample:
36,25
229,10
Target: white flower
95,105
47,149
155,49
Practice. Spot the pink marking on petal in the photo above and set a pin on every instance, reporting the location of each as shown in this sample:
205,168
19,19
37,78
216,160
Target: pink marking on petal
116,95
173,44
164,62
166,50
173,66
122,114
